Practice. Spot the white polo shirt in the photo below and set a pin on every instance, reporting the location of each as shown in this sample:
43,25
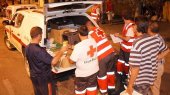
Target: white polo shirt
85,56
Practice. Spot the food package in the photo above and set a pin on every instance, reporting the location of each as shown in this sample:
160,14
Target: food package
65,63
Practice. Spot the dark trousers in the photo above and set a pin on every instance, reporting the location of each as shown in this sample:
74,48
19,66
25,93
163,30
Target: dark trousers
107,64
125,57
40,85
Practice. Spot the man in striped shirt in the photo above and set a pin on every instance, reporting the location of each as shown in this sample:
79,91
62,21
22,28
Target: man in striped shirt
143,59
153,30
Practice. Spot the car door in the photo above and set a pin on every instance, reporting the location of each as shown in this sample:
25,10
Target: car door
16,29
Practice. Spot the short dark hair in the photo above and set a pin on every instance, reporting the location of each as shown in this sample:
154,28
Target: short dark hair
35,31
83,30
142,24
153,25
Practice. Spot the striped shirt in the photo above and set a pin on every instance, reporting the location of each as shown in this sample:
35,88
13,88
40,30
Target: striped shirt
166,47
144,54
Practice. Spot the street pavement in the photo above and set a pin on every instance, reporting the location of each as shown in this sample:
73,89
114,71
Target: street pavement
14,79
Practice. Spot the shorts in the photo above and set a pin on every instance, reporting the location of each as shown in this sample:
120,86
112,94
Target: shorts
143,89
82,83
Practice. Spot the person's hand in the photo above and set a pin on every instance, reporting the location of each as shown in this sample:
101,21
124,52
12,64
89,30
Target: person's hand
129,90
117,34
159,57
70,46
64,48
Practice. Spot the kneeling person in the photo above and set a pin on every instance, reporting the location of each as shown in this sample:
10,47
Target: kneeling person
85,56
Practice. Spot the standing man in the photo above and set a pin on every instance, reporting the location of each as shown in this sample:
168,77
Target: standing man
128,36
143,59
153,30
85,56
106,57
40,64
109,11
95,13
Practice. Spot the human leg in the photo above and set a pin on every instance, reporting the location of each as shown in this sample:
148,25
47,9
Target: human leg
155,88
80,86
126,59
120,63
102,77
40,85
111,73
35,85
92,85
43,85
109,17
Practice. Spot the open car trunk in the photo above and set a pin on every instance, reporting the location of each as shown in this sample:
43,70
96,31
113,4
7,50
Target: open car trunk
62,22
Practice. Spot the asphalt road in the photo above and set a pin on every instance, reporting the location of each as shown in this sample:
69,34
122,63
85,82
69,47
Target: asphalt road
14,79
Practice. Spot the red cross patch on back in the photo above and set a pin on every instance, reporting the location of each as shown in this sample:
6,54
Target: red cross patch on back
100,33
91,51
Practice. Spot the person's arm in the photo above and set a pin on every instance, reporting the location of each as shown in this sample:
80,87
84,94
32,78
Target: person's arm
135,60
126,38
163,54
134,73
130,33
71,61
74,55
58,55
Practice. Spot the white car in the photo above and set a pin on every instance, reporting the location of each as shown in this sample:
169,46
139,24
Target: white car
54,16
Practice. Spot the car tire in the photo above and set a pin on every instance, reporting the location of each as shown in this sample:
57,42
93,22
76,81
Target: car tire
8,43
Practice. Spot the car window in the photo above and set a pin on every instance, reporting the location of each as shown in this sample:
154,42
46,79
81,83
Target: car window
18,20
32,7
19,9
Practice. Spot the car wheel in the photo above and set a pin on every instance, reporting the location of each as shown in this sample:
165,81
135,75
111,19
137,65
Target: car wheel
8,43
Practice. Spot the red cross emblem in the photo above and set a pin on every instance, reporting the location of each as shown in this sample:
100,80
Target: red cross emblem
100,33
91,51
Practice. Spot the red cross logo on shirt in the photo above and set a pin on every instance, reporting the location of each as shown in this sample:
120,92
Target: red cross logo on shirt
91,51
100,33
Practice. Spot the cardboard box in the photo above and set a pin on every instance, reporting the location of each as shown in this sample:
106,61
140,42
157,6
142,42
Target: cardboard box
57,35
